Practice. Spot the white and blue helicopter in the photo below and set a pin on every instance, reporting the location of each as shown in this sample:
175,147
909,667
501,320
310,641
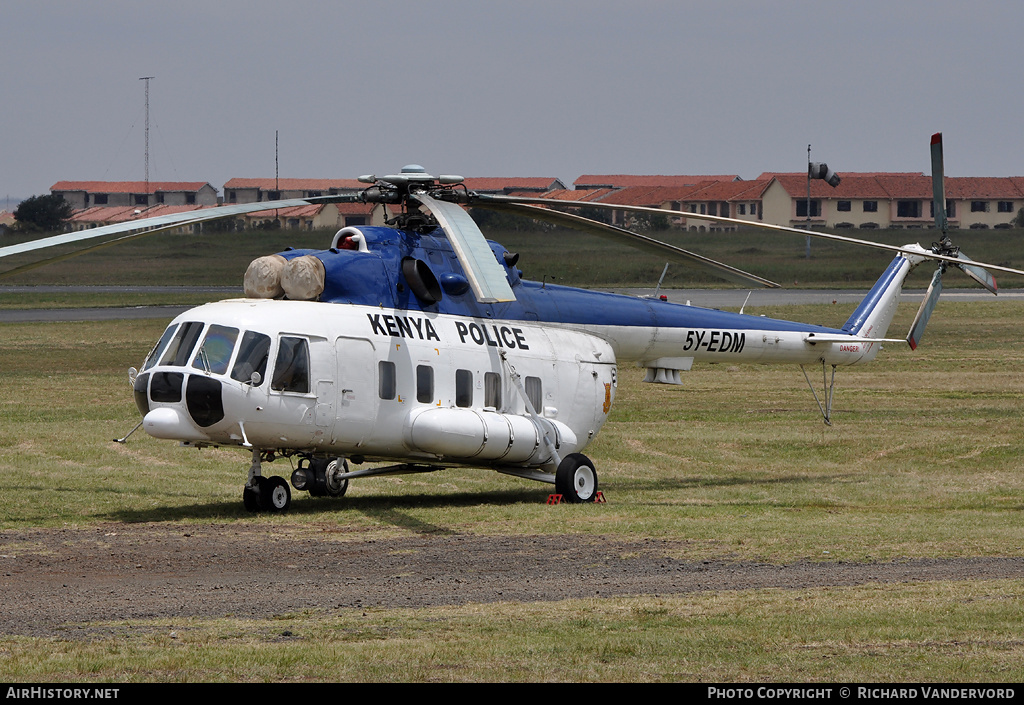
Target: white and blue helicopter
420,345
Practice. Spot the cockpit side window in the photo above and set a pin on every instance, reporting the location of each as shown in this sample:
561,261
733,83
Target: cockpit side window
253,354
155,353
215,352
291,369
180,348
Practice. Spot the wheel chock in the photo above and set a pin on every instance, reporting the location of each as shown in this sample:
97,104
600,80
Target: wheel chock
599,498
554,499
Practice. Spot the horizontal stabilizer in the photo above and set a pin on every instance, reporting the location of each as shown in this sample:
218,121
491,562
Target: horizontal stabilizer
814,338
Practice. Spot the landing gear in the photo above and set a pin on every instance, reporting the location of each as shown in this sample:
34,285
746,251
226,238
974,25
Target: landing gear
275,495
327,481
576,479
269,494
322,477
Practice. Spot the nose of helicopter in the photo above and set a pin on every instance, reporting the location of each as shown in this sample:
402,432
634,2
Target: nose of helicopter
170,423
170,414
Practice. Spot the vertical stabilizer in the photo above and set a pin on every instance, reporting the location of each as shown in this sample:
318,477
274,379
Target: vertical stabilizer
875,313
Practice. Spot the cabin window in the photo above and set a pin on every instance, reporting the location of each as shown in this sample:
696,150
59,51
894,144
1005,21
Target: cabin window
492,390
215,352
386,383
424,384
253,355
155,353
534,393
180,348
291,369
463,388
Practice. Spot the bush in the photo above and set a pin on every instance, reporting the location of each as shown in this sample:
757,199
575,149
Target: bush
43,213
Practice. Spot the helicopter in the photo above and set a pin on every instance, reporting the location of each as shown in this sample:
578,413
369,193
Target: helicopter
420,346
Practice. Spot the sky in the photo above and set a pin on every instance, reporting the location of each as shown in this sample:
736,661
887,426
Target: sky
552,88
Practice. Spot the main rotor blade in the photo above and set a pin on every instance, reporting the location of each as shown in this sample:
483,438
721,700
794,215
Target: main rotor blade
938,185
628,237
175,219
486,277
69,255
477,199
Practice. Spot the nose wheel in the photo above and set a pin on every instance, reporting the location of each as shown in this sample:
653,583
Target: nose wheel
268,494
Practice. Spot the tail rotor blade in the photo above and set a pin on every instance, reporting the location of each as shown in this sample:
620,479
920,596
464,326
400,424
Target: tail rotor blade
938,185
931,297
978,274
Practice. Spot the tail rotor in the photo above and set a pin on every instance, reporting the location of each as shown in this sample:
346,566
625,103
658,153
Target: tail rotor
944,247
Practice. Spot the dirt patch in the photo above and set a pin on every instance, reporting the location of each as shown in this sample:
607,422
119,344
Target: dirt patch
55,579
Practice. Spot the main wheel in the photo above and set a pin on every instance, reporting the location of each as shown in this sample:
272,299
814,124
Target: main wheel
274,494
336,487
576,478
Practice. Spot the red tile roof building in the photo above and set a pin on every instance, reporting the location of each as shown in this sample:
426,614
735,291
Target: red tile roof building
862,199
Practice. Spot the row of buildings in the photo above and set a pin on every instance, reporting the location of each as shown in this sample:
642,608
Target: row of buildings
861,200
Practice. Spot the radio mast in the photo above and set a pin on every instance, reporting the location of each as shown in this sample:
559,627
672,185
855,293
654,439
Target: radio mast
147,79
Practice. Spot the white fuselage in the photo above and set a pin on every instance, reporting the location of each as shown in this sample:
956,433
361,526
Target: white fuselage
351,380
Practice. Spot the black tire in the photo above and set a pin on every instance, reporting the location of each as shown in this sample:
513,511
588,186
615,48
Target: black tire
275,496
576,479
251,498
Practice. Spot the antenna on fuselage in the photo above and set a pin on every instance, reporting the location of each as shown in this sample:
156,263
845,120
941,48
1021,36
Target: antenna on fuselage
745,301
663,273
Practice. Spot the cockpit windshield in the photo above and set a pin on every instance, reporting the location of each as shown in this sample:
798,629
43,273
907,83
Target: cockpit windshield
180,348
213,356
215,352
158,350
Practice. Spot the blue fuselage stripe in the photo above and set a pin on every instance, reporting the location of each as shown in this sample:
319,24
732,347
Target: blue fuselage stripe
856,321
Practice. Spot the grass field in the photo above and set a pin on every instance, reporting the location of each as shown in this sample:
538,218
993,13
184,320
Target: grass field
924,460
